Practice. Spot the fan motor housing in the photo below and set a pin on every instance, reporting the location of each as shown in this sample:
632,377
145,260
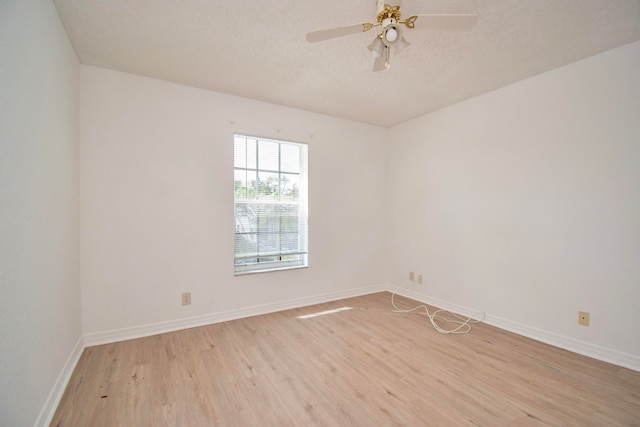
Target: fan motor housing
392,12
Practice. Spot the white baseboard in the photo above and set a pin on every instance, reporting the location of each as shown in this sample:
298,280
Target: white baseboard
88,340
581,347
567,343
51,404
115,335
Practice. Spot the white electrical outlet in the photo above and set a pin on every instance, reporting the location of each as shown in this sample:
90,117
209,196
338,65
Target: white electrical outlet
420,278
186,298
583,318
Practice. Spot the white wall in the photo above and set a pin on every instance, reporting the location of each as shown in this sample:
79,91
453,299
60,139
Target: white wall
156,202
525,202
39,284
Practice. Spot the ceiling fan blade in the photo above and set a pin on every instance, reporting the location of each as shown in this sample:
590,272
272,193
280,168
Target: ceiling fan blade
332,33
443,22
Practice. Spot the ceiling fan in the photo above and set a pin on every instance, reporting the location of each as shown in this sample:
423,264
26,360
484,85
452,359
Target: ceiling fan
389,19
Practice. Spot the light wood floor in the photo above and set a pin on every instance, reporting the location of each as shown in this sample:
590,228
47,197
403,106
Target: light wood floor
361,367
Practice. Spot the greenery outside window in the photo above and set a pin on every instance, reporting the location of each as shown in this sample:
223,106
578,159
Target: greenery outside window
270,203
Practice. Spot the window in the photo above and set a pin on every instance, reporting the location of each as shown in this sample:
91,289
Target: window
270,203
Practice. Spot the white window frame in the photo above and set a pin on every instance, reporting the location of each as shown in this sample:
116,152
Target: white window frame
267,263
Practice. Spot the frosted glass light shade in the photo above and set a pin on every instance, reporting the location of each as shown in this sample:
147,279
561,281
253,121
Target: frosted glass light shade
391,35
377,47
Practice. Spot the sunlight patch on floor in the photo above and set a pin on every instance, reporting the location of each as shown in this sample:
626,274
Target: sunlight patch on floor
322,313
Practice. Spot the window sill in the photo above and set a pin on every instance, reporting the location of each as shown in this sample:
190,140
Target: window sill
268,270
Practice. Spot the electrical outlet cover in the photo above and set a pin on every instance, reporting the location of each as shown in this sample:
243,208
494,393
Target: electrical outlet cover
186,298
583,318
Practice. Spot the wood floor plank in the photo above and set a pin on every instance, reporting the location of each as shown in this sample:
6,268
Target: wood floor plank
359,364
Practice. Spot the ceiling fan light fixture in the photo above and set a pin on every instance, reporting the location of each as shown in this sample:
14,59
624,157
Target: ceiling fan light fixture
389,20
391,34
377,47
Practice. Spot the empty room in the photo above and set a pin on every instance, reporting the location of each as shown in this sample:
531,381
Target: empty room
336,213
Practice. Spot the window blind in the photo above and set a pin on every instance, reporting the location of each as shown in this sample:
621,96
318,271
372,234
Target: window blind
270,202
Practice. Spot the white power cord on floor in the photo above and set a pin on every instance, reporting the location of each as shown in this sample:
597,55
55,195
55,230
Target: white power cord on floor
464,323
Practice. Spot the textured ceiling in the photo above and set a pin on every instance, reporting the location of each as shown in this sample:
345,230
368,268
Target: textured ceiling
257,49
